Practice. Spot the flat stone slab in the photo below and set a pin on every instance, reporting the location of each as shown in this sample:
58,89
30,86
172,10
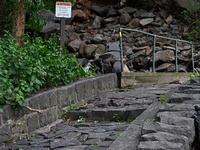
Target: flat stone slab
160,145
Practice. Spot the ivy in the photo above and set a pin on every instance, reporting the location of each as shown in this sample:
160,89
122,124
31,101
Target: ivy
36,64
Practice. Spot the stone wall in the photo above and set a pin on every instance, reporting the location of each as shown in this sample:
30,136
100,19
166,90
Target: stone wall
19,123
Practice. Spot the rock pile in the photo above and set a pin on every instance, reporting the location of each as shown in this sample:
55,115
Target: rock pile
92,34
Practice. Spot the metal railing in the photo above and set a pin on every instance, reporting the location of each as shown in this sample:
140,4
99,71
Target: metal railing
154,47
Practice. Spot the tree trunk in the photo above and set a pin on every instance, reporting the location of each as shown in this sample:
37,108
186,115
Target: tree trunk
19,20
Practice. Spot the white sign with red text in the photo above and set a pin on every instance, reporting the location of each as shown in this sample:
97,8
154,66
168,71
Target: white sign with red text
63,9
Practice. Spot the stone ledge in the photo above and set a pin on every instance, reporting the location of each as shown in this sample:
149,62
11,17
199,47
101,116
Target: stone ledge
132,79
16,124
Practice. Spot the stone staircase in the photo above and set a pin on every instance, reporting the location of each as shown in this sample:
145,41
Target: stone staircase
160,115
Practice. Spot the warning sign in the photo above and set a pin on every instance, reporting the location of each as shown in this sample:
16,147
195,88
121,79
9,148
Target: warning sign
63,9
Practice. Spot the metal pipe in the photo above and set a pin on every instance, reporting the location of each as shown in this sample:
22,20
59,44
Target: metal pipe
121,50
176,54
154,52
192,58
158,36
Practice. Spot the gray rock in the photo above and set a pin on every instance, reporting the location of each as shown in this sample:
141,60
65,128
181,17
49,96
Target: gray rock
125,18
114,46
147,15
138,13
117,67
73,36
146,21
112,12
134,23
98,39
90,50
166,67
49,29
129,10
137,54
101,49
97,22
165,56
108,20
128,52
47,14
98,10
74,45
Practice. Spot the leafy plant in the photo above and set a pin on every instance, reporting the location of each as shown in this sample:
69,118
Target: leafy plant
146,121
69,108
162,99
193,75
116,117
119,134
36,64
81,119
193,21
186,14
35,134
129,120
20,123
95,145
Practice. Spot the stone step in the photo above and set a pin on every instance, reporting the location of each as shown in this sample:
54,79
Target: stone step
154,127
190,91
160,145
188,86
110,113
182,97
164,136
168,118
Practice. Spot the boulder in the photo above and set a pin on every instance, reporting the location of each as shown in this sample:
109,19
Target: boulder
90,50
166,67
165,56
129,10
74,45
98,10
47,14
146,21
125,18
79,15
49,29
114,46
97,22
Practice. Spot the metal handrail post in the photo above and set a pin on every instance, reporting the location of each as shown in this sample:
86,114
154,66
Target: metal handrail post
192,58
176,54
121,49
154,53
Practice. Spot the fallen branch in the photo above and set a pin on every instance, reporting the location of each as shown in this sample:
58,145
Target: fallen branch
35,110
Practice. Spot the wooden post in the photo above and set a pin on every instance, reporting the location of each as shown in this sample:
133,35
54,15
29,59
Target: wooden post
62,31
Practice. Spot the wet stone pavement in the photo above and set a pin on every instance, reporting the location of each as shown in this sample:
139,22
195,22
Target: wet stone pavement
96,125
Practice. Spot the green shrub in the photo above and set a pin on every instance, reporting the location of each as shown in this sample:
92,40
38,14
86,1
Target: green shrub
36,64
